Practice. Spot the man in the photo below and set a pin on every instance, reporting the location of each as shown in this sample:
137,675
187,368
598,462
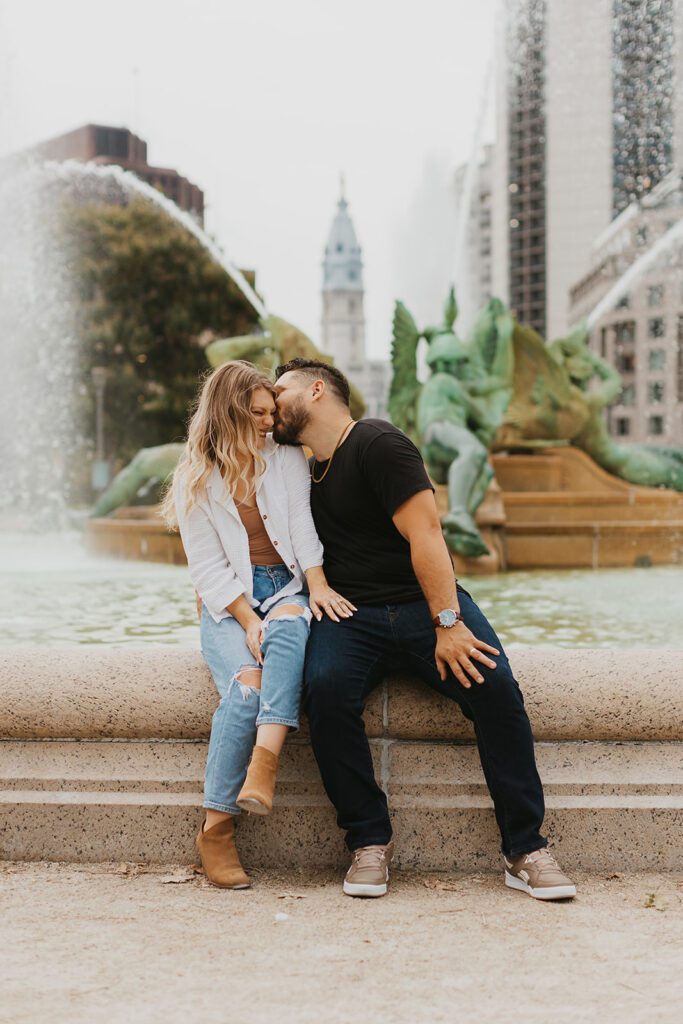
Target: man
374,509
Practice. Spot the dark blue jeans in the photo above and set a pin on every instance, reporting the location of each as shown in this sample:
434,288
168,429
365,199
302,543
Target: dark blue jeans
346,660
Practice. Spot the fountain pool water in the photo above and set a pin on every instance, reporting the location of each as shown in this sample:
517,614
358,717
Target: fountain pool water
52,593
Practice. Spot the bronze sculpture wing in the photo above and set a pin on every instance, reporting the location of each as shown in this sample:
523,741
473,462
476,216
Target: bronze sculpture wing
405,387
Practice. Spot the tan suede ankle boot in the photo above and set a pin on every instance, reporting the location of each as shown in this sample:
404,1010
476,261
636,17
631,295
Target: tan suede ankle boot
257,792
219,856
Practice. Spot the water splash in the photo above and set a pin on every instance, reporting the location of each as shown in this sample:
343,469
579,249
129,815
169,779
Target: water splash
38,353
40,345
130,183
631,277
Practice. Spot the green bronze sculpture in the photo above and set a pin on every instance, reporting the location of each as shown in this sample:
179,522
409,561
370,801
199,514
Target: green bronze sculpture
454,415
647,465
148,470
505,389
151,467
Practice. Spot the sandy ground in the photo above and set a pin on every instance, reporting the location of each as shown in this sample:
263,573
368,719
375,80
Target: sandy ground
115,943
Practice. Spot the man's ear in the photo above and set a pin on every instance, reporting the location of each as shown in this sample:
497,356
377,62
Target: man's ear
317,390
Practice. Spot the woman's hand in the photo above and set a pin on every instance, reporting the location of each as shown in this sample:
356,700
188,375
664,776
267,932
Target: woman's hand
324,599
254,631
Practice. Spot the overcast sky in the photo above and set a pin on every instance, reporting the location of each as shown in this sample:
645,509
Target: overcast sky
262,103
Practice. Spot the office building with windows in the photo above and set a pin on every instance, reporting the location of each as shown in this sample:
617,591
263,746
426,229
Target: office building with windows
589,118
642,336
475,278
104,144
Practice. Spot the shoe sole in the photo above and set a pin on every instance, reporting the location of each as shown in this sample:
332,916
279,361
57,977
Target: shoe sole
201,870
253,806
355,889
557,892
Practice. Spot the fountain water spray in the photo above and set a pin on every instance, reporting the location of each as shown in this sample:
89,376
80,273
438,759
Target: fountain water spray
635,272
129,182
40,343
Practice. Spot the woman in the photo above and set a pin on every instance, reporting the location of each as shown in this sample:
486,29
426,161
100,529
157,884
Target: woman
242,505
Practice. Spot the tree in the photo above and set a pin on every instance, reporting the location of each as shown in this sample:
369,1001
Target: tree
149,299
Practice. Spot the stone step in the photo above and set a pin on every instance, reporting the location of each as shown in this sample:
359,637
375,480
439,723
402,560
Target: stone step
141,801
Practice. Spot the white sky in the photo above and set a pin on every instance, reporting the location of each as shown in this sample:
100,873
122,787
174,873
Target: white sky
262,103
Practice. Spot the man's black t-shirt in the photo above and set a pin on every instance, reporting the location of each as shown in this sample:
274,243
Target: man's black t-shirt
374,471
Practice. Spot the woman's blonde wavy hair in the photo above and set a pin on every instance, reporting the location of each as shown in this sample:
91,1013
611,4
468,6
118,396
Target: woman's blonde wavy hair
221,433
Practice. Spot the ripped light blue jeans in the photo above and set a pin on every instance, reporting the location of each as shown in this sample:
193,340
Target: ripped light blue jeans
243,708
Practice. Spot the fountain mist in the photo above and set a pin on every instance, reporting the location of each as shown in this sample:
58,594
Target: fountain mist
671,238
39,337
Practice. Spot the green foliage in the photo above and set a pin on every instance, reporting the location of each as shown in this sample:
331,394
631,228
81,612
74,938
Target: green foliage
150,300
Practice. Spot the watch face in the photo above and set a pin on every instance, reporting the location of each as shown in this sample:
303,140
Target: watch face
448,617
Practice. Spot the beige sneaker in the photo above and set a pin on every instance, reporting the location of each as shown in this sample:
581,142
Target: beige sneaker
369,871
539,875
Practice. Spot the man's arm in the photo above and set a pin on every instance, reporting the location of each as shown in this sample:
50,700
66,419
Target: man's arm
417,520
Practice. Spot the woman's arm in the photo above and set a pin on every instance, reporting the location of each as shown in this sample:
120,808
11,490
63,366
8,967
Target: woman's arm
213,577
322,598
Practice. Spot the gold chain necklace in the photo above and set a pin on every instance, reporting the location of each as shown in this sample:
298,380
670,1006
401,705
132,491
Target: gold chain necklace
327,467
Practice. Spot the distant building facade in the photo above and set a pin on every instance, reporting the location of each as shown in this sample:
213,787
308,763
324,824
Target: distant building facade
343,316
104,144
475,284
642,336
589,112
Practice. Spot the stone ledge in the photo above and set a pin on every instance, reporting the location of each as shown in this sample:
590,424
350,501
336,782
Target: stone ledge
153,693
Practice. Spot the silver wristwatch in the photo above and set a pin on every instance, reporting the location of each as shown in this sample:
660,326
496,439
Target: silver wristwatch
447,618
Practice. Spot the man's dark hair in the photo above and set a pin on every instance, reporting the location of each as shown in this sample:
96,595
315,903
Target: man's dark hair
315,369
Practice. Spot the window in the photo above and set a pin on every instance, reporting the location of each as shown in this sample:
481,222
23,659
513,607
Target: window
655,295
655,391
623,425
628,395
625,331
655,327
641,236
626,362
656,359
111,142
624,302
655,425
352,305
340,247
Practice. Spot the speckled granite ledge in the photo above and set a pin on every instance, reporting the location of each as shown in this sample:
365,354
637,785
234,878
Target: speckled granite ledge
152,693
102,754
140,800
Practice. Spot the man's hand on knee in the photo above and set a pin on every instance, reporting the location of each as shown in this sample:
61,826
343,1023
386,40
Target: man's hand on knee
457,648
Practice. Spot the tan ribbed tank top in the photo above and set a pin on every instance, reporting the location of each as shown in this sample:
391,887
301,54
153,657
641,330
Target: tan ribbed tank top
261,550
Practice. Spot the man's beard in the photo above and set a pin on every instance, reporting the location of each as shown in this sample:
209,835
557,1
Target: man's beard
289,430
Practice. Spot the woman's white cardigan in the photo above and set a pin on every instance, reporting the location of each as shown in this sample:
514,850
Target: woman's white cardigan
216,542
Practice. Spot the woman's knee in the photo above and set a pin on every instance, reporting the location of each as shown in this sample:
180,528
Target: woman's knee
288,613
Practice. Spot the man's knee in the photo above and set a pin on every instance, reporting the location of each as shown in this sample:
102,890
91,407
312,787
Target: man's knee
326,690
500,687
